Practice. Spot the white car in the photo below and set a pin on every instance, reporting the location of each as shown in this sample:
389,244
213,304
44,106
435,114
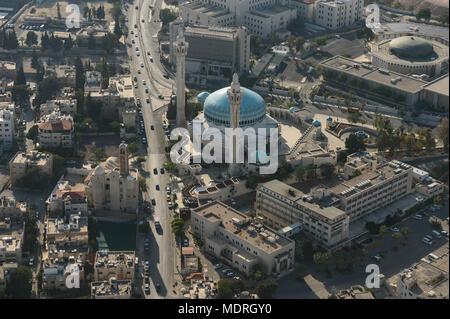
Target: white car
395,229
418,217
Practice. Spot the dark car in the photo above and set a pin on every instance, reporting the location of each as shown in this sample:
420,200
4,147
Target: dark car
152,127
162,170
153,202
155,171
158,287
157,187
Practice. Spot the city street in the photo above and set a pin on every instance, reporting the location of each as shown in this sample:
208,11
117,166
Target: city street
162,244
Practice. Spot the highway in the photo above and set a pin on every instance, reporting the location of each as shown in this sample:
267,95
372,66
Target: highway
162,244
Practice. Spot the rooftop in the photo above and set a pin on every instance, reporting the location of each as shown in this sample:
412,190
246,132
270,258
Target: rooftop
383,77
440,85
112,259
112,287
242,226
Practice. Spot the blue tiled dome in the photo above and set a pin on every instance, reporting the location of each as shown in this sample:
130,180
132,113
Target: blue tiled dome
202,97
217,108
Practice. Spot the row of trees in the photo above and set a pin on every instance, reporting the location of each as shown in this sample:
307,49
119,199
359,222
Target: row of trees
309,172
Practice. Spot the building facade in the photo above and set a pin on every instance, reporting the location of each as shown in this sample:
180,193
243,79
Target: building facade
241,241
56,130
114,264
22,161
338,14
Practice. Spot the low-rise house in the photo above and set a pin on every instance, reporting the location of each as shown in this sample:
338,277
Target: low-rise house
56,130
23,161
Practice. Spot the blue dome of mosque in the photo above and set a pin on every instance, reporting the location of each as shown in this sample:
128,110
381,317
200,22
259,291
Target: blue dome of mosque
258,157
201,97
217,108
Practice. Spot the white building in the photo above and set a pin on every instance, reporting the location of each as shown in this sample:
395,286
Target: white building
338,14
112,186
214,52
262,17
7,131
56,130
241,241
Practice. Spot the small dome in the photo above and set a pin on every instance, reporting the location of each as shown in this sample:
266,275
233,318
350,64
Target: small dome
411,47
98,170
217,108
202,97
316,123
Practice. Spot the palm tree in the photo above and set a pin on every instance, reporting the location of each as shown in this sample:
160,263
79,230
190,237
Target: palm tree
317,257
395,238
383,230
405,232
177,226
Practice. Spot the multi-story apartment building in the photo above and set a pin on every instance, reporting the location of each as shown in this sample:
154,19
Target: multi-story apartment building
214,52
305,9
338,14
10,208
262,17
281,205
56,130
22,161
57,269
111,289
7,130
64,106
114,264
366,193
112,186
68,202
11,241
240,241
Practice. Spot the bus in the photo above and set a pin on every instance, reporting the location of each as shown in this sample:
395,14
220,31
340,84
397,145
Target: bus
157,224
353,109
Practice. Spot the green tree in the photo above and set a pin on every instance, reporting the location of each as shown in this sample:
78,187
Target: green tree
396,238
31,39
424,13
355,143
20,76
166,16
405,231
383,230
300,173
33,133
327,170
20,285
133,147
265,290
438,201
99,154
177,226
142,184
307,250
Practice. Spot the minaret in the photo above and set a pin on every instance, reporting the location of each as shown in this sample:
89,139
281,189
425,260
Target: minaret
181,47
235,98
123,159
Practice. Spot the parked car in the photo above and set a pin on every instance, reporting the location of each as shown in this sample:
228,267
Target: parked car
185,242
418,217
153,202
161,170
155,171
395,229
157,187
218,266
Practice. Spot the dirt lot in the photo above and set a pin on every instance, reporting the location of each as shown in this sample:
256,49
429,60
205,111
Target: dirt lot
109,145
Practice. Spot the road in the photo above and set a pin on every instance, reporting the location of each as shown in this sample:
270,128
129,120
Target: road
162,245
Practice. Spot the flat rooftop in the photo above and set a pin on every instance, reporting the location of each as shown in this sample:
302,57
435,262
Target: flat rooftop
269,11
210,10
427,280
219,212
439,86
212,31
293,194
111,288
374,74
111,259
34,158
369,179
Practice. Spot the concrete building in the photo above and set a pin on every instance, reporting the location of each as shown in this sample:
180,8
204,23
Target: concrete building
67,201
56,130
435,93
11,241
214,52
372,80
114,264
7,129
240,241
10,208
338,14
423,281
22,161
375,189
63,106
6,272
112,289
411,54
280,205
263,18
93,79
94,33
305,9
56,270
112,186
